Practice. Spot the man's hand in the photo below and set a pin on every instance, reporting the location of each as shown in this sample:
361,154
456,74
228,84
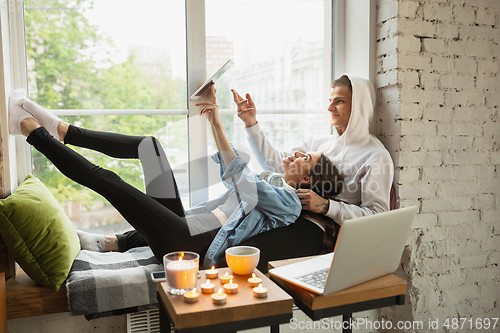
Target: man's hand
245,108
312,201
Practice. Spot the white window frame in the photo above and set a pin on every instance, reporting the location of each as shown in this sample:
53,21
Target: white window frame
12,74
353,55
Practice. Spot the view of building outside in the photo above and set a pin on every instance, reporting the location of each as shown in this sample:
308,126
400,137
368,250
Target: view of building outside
107,55
278,53
218,50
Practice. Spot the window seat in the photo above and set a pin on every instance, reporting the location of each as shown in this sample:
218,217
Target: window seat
27,299
120,283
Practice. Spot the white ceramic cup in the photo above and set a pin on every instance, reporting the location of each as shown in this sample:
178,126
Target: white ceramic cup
242,260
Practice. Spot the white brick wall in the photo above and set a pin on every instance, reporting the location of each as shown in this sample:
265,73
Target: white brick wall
445,56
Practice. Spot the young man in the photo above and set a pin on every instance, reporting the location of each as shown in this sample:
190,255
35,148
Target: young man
361,157
364,162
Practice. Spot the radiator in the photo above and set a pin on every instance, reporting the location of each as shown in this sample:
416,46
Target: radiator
144,322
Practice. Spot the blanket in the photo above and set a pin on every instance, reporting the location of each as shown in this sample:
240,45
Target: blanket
110,283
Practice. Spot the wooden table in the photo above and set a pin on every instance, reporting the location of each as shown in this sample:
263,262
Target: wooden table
385,291
242,310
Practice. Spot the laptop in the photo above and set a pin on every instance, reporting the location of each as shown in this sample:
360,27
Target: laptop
212,79
367,248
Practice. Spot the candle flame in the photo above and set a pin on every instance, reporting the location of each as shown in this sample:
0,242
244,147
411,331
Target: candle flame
231,281
253,276
227,274
194,290
213,268
220,291
182,254
208,281
260,286
180,259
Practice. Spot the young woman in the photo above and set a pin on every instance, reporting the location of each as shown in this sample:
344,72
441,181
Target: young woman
250,206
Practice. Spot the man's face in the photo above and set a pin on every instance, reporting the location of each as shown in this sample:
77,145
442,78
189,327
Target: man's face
340,107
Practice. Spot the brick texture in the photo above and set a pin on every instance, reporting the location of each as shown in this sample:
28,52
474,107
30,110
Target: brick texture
446,151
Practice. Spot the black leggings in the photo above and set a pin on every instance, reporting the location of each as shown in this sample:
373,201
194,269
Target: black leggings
300,239
160,220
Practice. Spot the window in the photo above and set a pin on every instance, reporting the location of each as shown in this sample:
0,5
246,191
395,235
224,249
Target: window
125,74
279,52
120,65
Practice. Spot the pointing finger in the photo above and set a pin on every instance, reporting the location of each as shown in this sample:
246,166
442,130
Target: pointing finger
250,100
237,98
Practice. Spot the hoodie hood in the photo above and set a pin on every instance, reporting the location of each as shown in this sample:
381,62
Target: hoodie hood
363,103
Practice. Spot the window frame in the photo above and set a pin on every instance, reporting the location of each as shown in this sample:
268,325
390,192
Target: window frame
17,153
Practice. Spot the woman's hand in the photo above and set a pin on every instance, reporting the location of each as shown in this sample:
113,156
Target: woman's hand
211,111
209,105
209,94
245,108
312,202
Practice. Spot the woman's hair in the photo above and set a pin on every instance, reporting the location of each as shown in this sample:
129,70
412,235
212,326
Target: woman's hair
342,81
327,182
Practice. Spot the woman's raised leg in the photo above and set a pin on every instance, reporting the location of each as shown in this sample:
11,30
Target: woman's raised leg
163,230
159,179
160,182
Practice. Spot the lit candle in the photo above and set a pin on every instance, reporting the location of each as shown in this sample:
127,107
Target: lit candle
208,288
254,281
260,291
191,296
231,288
225,278
182,274
219,298
212,274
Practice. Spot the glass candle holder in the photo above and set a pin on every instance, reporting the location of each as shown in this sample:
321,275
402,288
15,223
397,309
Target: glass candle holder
181,270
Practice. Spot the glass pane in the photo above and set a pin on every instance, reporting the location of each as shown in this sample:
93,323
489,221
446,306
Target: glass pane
284,131
277,47
87,209
107,54
278,52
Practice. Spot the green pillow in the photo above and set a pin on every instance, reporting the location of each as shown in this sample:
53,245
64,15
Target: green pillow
38,233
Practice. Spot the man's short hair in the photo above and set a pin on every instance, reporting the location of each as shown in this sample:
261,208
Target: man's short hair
342,81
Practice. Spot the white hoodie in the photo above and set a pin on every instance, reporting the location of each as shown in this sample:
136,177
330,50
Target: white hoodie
362,159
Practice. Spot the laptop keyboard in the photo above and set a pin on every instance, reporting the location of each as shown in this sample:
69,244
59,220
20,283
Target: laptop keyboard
316,279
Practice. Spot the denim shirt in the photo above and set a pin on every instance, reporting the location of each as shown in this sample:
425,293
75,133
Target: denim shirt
262,207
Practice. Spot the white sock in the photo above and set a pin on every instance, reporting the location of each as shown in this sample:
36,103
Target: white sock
43,116
91,242
16,111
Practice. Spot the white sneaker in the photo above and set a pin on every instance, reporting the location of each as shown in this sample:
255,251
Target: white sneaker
16,111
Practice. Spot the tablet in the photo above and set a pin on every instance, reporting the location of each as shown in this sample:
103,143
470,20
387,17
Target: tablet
214,78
